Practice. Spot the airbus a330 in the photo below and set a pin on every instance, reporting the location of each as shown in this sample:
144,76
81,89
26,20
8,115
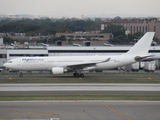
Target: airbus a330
78,64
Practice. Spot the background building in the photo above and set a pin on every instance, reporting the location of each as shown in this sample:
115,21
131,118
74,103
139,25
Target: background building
135,25
1,41
84,36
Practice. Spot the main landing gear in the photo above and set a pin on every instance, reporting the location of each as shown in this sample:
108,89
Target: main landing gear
78,74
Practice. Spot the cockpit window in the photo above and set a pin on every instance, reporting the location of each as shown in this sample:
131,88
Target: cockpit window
9,61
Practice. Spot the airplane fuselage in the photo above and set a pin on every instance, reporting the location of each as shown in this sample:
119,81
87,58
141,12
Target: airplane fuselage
47,63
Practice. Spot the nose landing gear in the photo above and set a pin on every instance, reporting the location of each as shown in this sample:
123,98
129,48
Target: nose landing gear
20,74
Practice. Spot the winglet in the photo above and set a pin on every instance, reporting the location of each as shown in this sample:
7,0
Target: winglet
107,60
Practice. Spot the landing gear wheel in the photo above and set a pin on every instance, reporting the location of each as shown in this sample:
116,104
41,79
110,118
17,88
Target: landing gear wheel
81,75
76,74
20,75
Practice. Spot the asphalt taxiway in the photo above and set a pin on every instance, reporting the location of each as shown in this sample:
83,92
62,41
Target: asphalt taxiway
80,110
80,89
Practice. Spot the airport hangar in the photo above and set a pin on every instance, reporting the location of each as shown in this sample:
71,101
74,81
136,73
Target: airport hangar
10,52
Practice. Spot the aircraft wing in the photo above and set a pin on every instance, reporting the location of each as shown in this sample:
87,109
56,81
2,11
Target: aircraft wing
84,65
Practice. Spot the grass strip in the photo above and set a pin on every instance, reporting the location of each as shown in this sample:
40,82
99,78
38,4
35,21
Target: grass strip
81,97
80,80
89,78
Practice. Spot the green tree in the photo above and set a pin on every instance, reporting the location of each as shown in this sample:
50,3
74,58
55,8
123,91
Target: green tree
116,30
118,35
7,40
48,26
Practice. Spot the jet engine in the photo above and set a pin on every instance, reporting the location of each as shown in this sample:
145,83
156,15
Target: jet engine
58,70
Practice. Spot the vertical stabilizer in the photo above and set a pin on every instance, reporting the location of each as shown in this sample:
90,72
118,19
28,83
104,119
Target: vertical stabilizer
143,45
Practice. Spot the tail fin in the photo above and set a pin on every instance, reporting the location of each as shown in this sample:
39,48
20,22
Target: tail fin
143,45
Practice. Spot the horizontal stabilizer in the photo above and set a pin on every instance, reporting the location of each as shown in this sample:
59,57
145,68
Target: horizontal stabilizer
138,58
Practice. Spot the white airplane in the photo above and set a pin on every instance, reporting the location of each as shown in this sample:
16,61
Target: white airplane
78,64
74,44
110,45
44,44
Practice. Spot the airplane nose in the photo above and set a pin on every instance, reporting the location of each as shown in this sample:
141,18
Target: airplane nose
5,65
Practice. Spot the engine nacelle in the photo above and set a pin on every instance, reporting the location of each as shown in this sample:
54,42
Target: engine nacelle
58,70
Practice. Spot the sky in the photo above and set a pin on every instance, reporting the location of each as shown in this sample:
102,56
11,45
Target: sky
77,8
